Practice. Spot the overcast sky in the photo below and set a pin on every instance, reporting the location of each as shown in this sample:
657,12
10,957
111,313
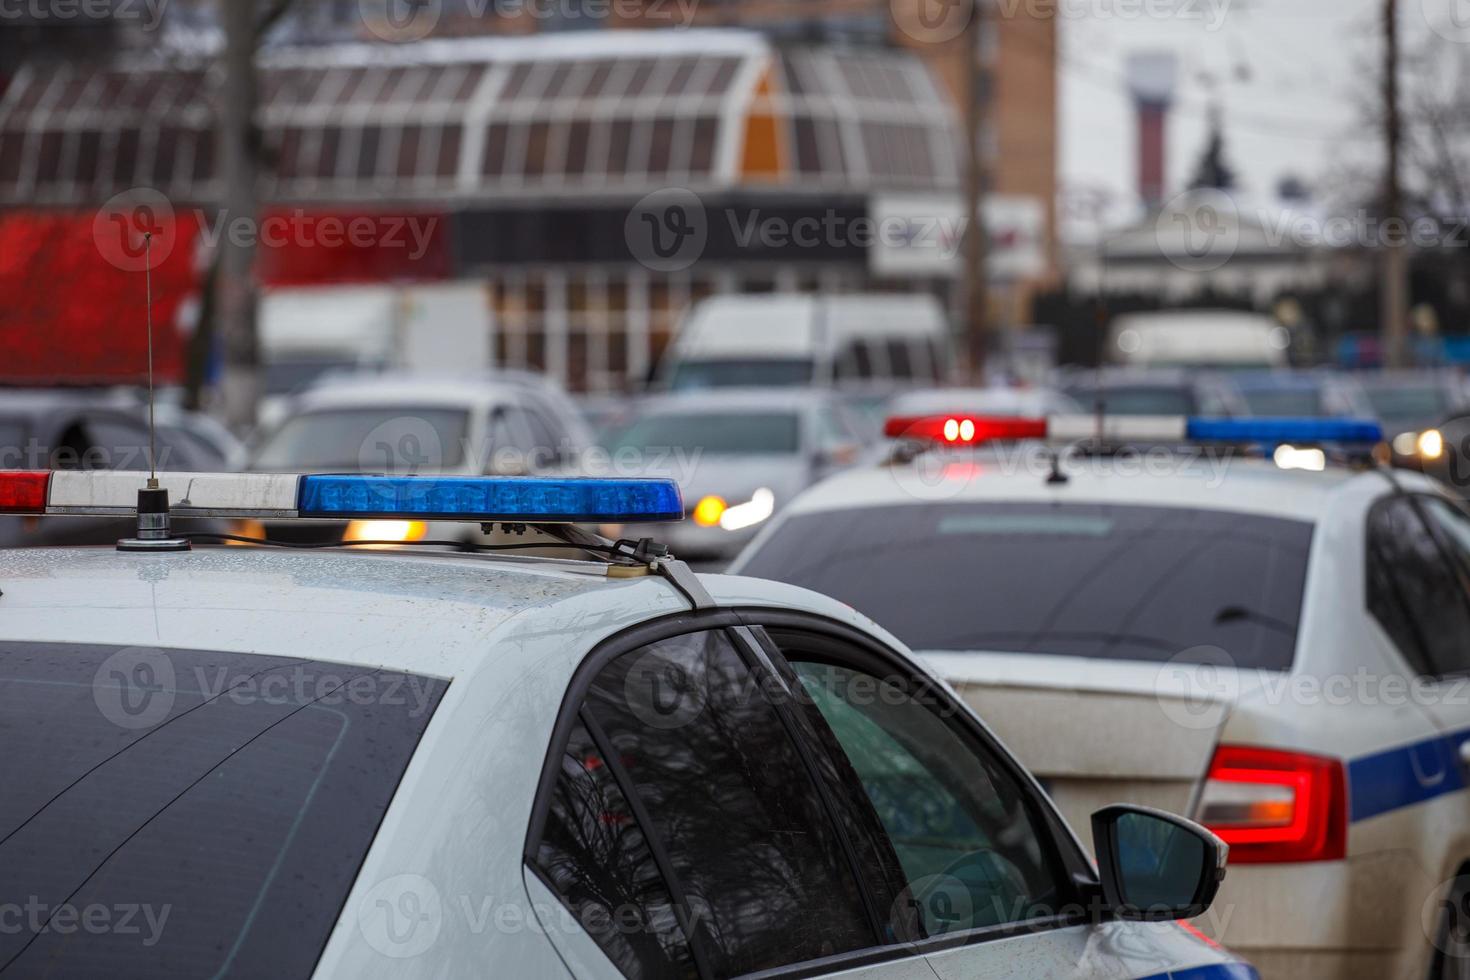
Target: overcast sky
1284,71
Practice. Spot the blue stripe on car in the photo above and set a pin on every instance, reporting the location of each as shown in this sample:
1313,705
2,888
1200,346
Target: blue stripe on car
1404,776
1215,971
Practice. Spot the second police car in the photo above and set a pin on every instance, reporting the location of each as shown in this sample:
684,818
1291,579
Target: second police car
1277,647
269,762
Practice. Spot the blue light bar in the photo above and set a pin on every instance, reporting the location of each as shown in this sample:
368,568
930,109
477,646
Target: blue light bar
1283,430
532,500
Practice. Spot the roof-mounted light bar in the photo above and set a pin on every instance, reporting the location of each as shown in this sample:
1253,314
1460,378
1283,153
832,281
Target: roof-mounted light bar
524,500
969,430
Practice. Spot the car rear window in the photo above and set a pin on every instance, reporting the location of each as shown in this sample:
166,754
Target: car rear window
714,433
189,814
1099,581
1138,399
397,440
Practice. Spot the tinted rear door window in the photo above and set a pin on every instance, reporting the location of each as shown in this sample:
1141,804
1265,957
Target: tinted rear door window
1415,590
597,858
209,812
744,827
1126,583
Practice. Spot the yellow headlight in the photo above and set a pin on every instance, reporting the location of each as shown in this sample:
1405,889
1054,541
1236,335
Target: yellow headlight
386,531
1430,444
707,512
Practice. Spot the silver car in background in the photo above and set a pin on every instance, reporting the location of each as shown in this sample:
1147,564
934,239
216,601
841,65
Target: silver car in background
739,455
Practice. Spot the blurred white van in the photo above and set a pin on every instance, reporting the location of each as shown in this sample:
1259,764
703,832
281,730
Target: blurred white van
307,333
1198,338
850,341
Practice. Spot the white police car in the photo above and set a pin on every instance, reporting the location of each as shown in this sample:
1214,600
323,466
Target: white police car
1279,649
266,762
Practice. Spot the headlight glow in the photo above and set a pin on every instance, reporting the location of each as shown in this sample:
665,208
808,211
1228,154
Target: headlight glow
1430,444
760,507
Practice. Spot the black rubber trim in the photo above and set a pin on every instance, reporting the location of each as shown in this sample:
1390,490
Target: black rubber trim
759,661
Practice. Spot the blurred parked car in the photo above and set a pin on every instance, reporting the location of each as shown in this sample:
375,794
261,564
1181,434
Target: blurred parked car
64,429
1221,339
1131,391
1294,394
738,456
1409,404
510,424
870,342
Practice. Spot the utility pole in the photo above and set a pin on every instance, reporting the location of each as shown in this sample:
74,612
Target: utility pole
1394,272
977,241
235,299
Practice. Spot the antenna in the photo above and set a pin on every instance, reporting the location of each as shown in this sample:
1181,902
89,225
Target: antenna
153,530
152,425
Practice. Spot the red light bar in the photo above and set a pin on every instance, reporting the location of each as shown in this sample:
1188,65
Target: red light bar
964,430
24,491
1275,807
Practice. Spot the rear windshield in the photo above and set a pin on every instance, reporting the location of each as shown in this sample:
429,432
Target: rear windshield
755,373
367,438
1106,582
1284,402
1409,402
714,433
1138,400
189,814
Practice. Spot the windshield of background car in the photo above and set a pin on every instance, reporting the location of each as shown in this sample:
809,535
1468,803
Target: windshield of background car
754,373
1138,400
1283,402
1082,580
1408,402
189,814
713,433
367,439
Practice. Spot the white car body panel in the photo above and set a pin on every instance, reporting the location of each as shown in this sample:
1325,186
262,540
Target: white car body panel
443,891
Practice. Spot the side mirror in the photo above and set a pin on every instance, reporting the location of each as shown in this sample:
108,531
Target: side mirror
1156,867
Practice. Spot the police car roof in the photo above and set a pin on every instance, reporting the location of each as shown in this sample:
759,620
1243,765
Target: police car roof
427,392
441,615
1242,485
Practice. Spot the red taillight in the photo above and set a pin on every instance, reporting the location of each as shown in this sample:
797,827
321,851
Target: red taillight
1275,807
964,429
23,492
